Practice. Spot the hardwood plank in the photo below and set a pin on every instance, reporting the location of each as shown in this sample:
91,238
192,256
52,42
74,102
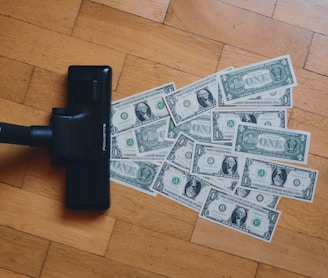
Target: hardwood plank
304,217
155,213
57,15
44,179
237,57
289,250
126,204
262,7
47,218
15,159
21,252
316,124
116,96
11,112
139,75
47,90
10,274
153,10
140,235
268,271
14,79
64,261
307,217
235,26
159,214
54,51
311,15
153,41
317,60
311,92
172,257
14,163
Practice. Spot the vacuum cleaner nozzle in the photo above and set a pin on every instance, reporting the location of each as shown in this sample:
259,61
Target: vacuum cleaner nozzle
78,137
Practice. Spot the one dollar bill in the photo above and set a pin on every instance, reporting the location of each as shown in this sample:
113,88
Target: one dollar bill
216,161
178,185
181,152
258,197
276,99
192,100
224,122
123,147
239,214
280,179
138,175
150,138
198,128
279,143
139,109
256,79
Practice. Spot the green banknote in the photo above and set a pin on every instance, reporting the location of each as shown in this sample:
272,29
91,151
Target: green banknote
216,161
177,184
224,122
138,175
282,98
123,147
262,199
253,196
282,179
256,79
278,143
139,109
150,138
236,213
181,152
192,100
198,128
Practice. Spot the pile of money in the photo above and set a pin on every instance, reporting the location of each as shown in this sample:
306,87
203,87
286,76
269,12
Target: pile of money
220,146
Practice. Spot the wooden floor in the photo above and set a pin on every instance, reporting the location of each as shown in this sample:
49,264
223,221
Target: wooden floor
149,43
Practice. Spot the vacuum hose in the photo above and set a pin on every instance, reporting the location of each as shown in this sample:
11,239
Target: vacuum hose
35,136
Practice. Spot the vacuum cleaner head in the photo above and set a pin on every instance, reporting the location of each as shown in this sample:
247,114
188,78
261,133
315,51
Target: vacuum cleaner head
78,137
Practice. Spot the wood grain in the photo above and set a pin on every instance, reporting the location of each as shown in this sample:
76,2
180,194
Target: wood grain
153,10
295,11
225,23
31,249
11,274
149,40
46,90
64,261
158,214
315,124
15,80
48,14
140,75
43,179
15,159
149,43
288,250
317,60
47,218
55,52
172,257
267,271
262,7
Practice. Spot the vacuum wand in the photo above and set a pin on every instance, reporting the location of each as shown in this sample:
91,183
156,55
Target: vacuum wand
34,136
78,137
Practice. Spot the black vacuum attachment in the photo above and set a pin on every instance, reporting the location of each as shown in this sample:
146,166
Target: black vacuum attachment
78,137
